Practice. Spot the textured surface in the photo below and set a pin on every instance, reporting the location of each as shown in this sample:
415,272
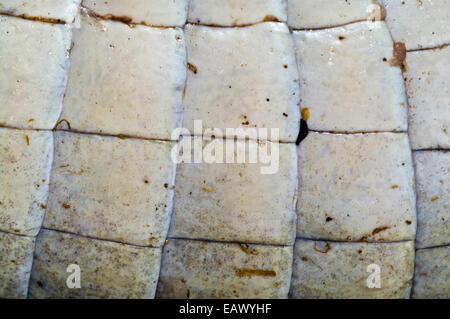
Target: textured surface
356,187
25,163
196,269
63,10
347,79
16,256
340,270
24,101
150,12
236,12
428,88
433,198
242,77
431,26
108,270
235,202
432,274
90,196
304,14
136,69
141,97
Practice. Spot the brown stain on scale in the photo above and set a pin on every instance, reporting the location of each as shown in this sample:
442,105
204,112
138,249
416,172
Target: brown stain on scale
399,55
246,248
400,52
69,171
62,121
255,272
383,12
191,67
374,232
69,50
380,229
326,248
305,113
80,172
270,18
34,18
244,119
123,19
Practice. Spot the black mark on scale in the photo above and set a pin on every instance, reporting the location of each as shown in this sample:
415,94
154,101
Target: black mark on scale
303,131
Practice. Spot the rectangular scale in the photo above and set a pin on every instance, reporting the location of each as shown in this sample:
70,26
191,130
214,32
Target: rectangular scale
348,79
418,23
34,59
356,187
107,270
235,201
198,269
16,257
335,270
432,274
428,88
242,78
141,97
111,188
433,198
25,163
